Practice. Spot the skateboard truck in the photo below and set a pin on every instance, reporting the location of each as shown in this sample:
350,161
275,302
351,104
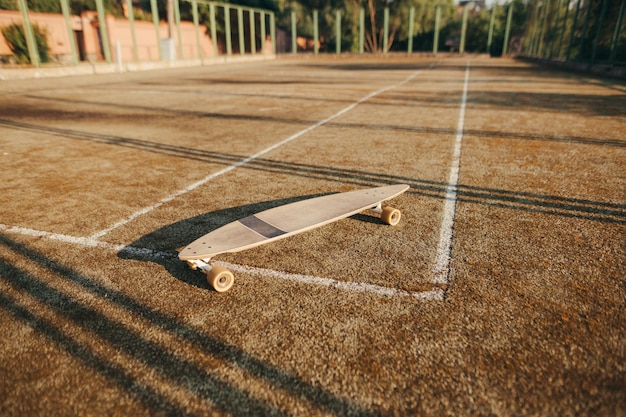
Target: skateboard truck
377,208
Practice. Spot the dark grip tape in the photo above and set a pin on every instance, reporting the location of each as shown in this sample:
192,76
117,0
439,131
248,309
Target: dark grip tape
264,229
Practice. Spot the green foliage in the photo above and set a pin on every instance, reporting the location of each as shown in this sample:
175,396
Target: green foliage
45,6
258,4
478,32
8,5
584,30
110,6
15,36
374,19
54,6
399,12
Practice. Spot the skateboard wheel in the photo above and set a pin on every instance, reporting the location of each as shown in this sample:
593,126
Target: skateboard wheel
221,279
391,216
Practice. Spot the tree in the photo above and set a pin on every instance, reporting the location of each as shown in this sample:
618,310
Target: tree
374,22
45,6
54,6
110,6
374,28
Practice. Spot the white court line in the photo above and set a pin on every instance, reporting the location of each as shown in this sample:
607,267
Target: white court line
441,270
433,295
211,177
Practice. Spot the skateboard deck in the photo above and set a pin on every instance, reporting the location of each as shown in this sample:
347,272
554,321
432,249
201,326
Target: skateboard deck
282,222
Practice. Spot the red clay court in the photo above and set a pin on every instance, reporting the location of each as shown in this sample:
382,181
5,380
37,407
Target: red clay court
500,292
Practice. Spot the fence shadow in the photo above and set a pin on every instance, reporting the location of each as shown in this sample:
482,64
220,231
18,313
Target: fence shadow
169,366
581,208
595,105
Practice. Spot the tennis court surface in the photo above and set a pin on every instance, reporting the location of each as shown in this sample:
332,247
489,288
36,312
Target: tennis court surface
501,292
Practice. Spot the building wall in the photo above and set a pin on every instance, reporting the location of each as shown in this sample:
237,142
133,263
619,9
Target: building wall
86,31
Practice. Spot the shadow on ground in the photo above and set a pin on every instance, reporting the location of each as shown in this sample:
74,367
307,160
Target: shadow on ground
161,245
75,314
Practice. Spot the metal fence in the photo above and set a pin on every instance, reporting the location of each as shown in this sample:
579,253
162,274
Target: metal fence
588,31
583,31
453,32
250,35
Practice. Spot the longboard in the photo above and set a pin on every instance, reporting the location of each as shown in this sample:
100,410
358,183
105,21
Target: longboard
282,222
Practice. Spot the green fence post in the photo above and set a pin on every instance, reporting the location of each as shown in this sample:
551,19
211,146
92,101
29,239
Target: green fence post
618,28
178,33
538,29
542,30
507,31
294,44
228,34
562,30
104,32
533,29
572,32
273,31
583,37
155,20
463,30
411,19
213,28
251,14
131,22
31,44
194,10
241,31
361,30
598,32
386,31
70,32
557,26
337,32
491,23
316,35
549,31
436,38
263,32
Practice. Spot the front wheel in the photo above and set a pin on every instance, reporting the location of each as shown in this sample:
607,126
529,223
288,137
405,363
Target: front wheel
221,279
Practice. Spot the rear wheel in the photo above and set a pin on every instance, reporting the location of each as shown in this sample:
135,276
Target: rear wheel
391,216
221,279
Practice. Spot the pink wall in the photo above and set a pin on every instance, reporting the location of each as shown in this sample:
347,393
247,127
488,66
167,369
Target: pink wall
118,31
